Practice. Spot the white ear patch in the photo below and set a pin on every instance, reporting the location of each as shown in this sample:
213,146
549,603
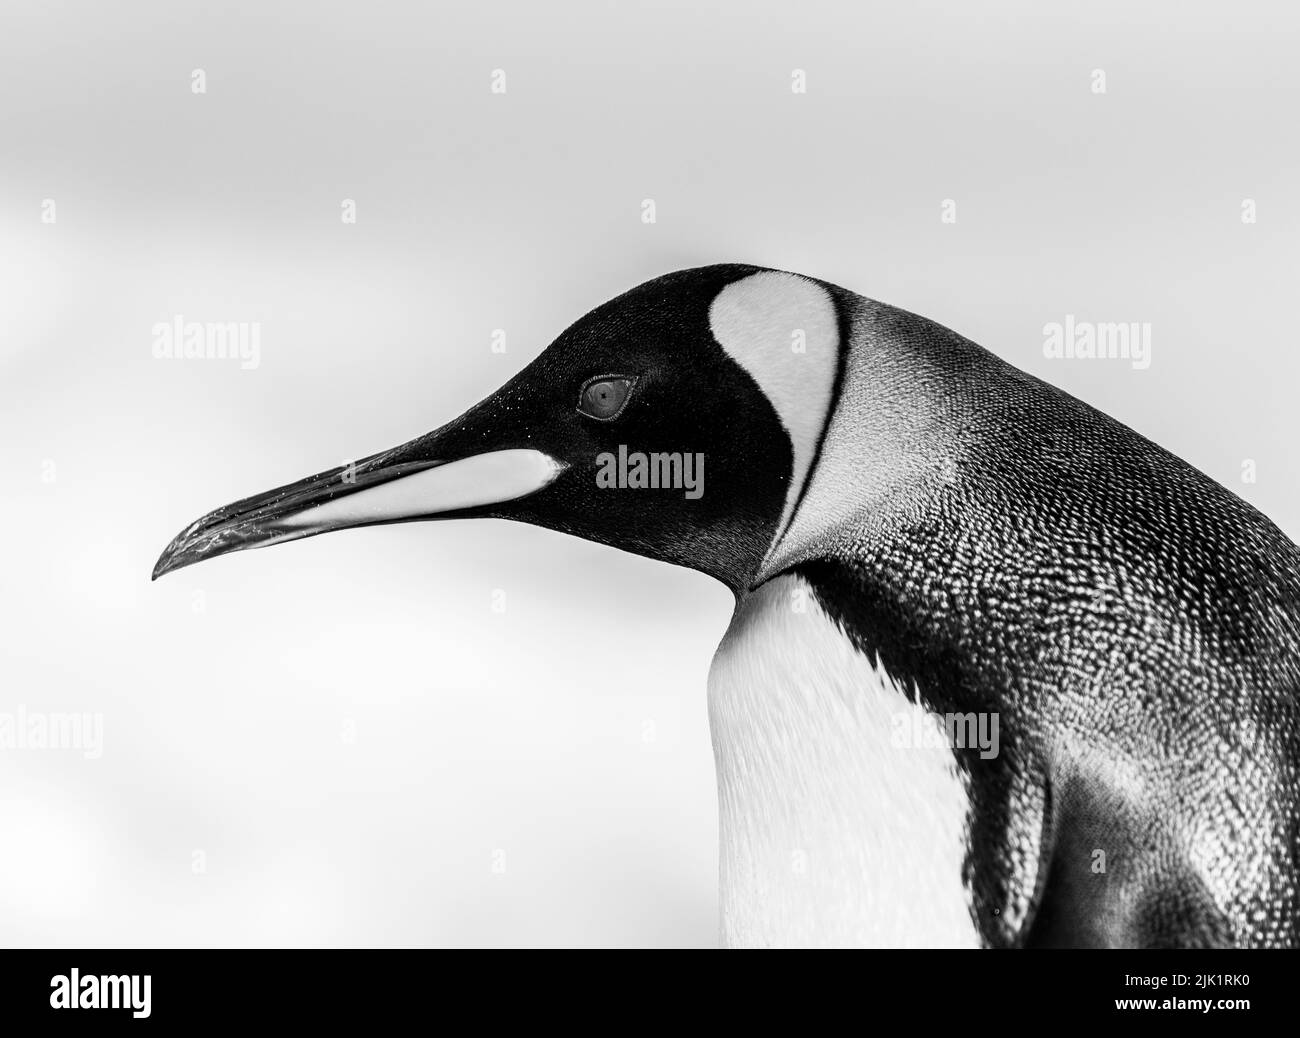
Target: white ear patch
782,329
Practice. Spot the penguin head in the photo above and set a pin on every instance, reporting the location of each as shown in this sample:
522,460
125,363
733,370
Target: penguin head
678,421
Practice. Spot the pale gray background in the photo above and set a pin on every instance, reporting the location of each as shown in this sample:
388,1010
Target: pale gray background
524,732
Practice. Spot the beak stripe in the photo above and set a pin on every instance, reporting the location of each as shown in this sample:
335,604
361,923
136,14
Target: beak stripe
483,479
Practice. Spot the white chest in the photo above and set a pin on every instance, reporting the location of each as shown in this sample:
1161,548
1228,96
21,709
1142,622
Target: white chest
834,831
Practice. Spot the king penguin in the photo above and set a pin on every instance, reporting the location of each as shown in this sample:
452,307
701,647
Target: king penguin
927,548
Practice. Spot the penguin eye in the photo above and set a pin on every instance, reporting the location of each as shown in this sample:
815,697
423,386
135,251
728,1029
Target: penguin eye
603,397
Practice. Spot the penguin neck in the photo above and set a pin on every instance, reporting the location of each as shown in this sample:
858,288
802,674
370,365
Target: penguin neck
834,831
833,828
904,419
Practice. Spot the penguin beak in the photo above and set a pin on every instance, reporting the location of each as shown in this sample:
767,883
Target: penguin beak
422,479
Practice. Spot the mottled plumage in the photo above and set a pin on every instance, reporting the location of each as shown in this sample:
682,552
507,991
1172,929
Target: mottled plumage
1136,626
